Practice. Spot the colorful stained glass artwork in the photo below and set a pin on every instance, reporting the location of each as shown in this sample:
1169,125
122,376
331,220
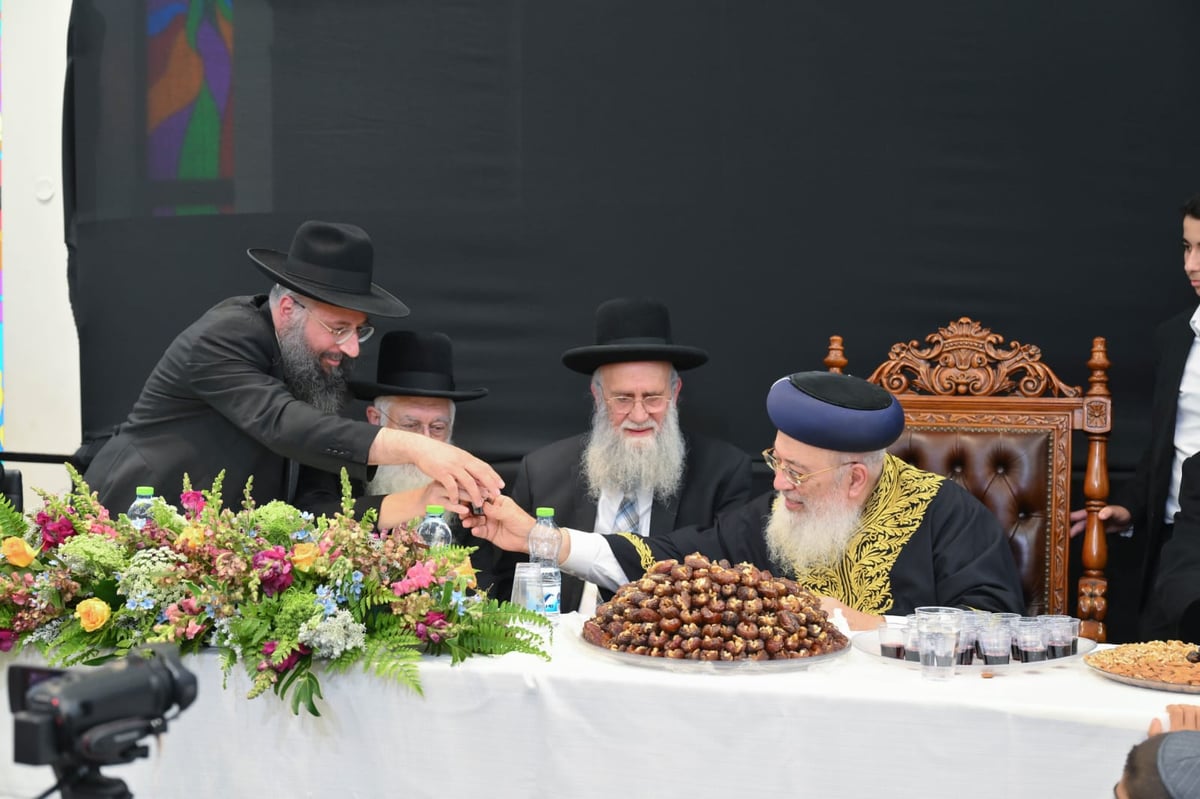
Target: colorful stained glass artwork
189,98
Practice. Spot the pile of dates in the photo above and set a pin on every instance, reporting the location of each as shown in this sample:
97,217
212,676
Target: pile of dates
705,610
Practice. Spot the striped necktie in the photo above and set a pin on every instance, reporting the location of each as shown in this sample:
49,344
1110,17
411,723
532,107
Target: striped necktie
626,520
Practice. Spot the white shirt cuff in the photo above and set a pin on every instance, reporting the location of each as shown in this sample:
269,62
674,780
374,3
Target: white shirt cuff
592,559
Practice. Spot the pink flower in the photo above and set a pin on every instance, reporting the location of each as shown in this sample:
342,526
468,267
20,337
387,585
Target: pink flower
429,630
274,570
7,639
193,629
420,575
285,664
192,501
99,528
54,531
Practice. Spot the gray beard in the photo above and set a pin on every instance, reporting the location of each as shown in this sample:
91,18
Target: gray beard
392,479
613,462
325,391
813,537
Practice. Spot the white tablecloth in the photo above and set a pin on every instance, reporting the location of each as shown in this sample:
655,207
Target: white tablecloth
583,725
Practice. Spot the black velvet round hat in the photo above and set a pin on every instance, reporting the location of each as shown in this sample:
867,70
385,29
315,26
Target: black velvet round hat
632,330
1179,763
413,364
331,262
835,412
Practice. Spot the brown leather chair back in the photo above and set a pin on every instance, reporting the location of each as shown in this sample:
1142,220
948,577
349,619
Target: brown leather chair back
997,420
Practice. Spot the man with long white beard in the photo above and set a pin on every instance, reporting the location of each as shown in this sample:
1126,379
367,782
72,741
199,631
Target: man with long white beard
868,532
415,392
635,470
253,387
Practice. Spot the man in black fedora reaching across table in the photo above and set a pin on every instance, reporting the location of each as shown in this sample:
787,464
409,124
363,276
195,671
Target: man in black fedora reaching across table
415,392
635,470
254,387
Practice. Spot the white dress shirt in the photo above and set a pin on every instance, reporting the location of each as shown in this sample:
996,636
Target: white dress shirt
1187,421
606,514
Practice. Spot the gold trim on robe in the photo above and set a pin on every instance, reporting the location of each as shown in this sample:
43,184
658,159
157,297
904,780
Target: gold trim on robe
892,514
643,549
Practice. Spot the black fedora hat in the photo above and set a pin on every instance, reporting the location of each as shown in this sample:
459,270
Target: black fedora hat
415,364
330,262
632,330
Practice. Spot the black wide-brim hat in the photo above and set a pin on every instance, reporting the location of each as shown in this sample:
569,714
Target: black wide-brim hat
331,262
632,330
835,412
413,364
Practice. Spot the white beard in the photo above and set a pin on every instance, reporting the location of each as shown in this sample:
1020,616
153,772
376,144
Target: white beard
395,478
812,537
622,465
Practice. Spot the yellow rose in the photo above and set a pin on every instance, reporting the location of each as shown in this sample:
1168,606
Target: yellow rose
17,552
192,536
92,614
303,555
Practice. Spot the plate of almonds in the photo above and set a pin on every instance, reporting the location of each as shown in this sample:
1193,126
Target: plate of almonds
1158,665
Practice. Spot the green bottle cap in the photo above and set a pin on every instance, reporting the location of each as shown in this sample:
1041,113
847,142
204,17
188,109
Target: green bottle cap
545,513
434,510
145,491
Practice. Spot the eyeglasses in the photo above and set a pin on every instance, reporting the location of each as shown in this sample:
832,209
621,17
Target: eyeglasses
794,477
624,403
341,334
437,429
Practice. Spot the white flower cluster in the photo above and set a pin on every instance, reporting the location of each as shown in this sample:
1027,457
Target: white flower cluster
144,576
222,635
330,637
48,632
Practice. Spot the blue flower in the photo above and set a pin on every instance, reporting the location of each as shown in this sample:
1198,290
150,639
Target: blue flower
142,601
303,535
326,600
356,585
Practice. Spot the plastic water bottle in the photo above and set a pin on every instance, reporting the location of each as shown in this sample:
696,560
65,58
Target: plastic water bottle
139,511
544,543
434,532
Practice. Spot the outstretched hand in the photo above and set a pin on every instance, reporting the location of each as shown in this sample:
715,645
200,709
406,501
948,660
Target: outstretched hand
456,470
1115,517
1180,717
503,523
855,618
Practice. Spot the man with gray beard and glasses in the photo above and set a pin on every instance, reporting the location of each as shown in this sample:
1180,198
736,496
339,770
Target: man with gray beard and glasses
869,533
253,388
414,391
635,471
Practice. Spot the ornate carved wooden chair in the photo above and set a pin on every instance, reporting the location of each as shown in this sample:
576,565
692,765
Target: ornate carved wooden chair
998,421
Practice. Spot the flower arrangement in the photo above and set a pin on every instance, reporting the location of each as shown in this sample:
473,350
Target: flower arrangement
271,587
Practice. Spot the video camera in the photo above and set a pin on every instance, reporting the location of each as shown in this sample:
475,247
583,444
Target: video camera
79,720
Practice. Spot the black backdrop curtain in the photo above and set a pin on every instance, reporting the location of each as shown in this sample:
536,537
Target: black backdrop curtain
776,171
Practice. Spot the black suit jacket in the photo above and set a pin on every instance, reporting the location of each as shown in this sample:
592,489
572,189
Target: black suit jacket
1146,495
1173,608
716,478
217,401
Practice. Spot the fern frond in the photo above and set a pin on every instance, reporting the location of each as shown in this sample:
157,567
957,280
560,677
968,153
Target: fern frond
494,638
12,521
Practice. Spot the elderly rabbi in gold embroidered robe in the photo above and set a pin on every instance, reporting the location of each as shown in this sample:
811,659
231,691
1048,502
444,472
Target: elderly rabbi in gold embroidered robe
870,533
